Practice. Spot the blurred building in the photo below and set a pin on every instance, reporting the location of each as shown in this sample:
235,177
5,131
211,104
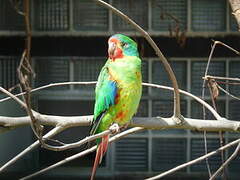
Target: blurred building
69,43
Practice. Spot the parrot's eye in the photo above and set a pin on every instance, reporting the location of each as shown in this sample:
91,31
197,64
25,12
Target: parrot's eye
124,45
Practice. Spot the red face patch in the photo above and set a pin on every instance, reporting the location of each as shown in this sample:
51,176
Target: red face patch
114,51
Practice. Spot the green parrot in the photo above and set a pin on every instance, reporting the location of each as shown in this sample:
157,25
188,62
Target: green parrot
118,90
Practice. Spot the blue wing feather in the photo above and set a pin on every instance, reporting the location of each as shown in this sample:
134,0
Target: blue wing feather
106,91
113,91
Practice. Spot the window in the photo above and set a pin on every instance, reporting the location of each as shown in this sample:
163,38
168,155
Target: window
51,15
87,15
169,14
208,16
136,10
158,17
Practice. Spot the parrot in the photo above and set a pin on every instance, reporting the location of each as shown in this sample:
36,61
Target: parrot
118,91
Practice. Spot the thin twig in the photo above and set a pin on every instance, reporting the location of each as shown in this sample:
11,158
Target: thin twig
228,93
221,78
229,83
79,143
227,46
24,85
203,96
24,105
195,160
51,85
235,153
215,114
203,90
83,153
157,123
152,85
25,73
213,87
203,107
16,4
21,103
206,151
210,108
50,134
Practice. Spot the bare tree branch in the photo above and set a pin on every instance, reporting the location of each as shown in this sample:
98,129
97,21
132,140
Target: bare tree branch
22,104
203,107
210,108
216,115
88,139
229,94
150,123
221,78
83,153
51,133
213,93
61,124
48,120
15,4
65,122
25,74
11,122
235,153
51,85
192,124
195,160
161,123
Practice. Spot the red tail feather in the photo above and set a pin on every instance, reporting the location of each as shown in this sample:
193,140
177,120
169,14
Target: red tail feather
101,150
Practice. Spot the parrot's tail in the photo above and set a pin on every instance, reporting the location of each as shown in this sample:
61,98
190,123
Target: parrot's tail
101,150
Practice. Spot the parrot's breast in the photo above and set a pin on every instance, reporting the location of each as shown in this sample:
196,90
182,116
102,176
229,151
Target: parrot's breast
129,92
127,75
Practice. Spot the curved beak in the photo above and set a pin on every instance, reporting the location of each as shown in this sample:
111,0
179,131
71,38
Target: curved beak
111,48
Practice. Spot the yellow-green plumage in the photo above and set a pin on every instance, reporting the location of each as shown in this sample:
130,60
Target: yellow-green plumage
125,72
118,90
127,75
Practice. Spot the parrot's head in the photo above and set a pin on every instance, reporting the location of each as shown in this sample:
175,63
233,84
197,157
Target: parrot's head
120,45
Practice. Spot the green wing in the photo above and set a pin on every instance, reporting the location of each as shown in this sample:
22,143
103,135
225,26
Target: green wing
106,90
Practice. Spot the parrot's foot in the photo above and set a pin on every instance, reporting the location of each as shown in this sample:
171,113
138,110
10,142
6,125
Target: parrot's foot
124,126
114,128
178,120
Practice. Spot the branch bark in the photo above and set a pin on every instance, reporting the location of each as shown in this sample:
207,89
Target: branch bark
71,121
48,120
149,123
83,153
